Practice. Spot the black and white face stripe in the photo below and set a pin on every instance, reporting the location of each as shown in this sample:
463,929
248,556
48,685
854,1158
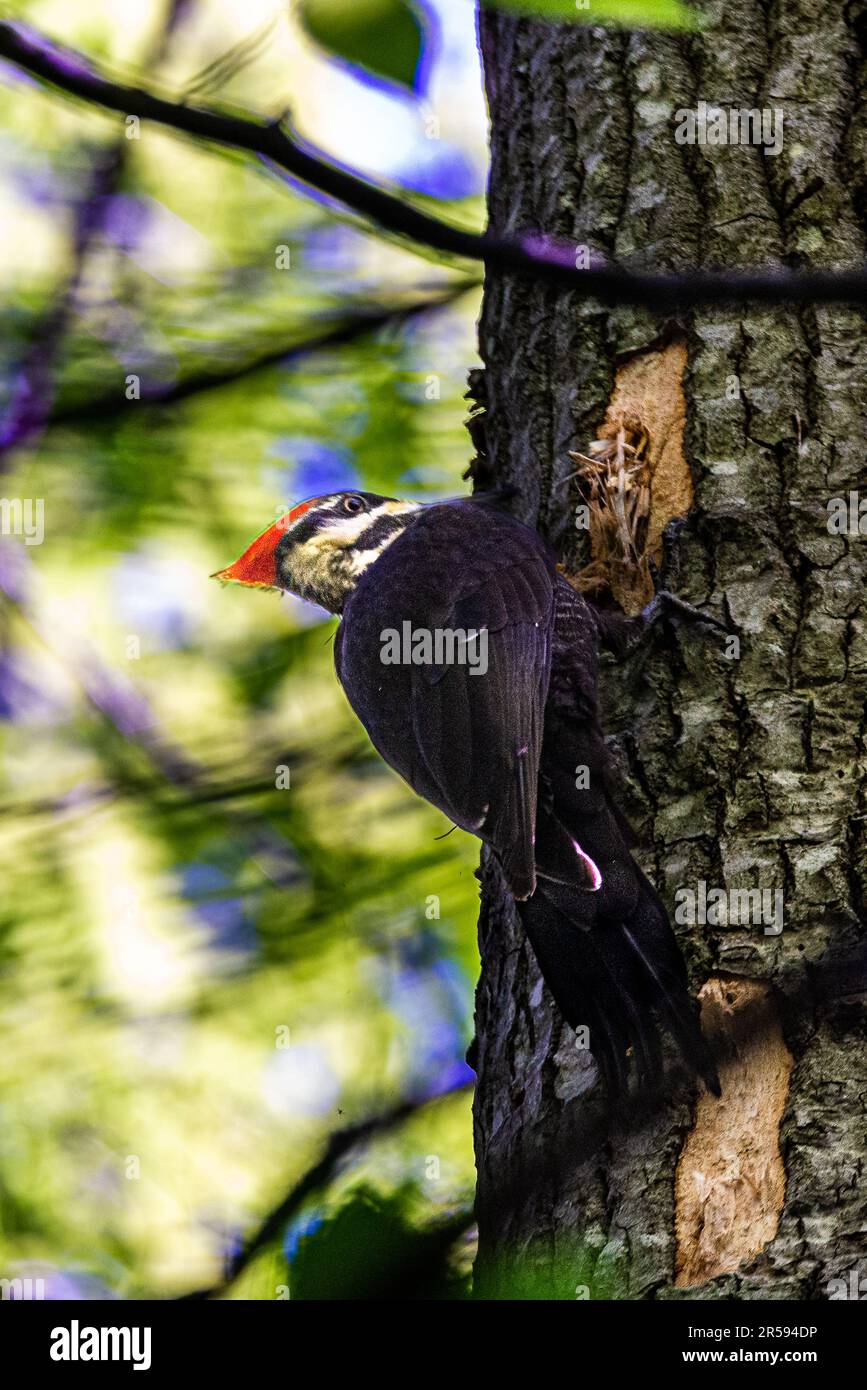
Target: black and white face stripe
326,550
383,529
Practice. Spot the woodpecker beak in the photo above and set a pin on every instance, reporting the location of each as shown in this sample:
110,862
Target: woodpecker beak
257,567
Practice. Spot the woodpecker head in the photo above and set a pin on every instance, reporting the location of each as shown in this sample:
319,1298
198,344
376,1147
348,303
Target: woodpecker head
321,548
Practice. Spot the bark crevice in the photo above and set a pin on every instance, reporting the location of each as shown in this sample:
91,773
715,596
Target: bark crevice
742,774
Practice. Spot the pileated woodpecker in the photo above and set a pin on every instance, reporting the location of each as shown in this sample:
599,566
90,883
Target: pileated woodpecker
496,745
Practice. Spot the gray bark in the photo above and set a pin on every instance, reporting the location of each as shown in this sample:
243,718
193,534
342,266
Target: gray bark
740,773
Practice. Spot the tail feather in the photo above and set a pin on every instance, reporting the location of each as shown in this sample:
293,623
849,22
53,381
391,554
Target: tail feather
585,990
674,1003
621,978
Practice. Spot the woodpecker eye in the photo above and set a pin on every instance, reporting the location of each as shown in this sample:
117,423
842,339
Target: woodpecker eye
353,504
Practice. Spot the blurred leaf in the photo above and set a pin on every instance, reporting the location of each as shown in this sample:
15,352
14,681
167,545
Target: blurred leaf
370,1250
155,934
632,14
384,37
578,1273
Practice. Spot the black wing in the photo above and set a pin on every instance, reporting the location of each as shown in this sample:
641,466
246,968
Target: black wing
610,957
467,740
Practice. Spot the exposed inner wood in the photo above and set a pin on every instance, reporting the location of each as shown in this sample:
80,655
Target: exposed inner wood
635,476
730,1180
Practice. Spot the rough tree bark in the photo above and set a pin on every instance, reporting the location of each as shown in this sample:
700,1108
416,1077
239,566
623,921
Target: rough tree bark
743,773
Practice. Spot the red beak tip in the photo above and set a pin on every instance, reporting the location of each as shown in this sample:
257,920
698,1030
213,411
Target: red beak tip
227,577
257,567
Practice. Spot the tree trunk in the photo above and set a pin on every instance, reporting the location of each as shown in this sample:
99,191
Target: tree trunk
739,770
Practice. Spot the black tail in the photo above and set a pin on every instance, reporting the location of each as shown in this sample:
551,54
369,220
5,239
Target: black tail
612,963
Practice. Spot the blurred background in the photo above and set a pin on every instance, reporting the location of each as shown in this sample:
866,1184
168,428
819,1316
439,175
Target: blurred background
227,931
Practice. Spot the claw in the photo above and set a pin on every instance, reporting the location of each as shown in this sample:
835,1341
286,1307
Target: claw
665,604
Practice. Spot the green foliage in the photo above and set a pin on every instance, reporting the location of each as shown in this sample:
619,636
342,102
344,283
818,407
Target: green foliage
632,14
384,37
372,1248
577,1274
203,974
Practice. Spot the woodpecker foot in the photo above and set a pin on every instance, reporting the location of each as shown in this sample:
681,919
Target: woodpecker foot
668,605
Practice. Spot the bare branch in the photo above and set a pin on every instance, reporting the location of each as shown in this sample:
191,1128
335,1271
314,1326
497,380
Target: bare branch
529,254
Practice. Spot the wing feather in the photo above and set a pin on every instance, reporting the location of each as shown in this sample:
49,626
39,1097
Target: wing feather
468,740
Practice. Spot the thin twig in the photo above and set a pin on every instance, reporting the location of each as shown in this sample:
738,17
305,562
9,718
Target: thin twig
35,386
123,707
338,333
340,1143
